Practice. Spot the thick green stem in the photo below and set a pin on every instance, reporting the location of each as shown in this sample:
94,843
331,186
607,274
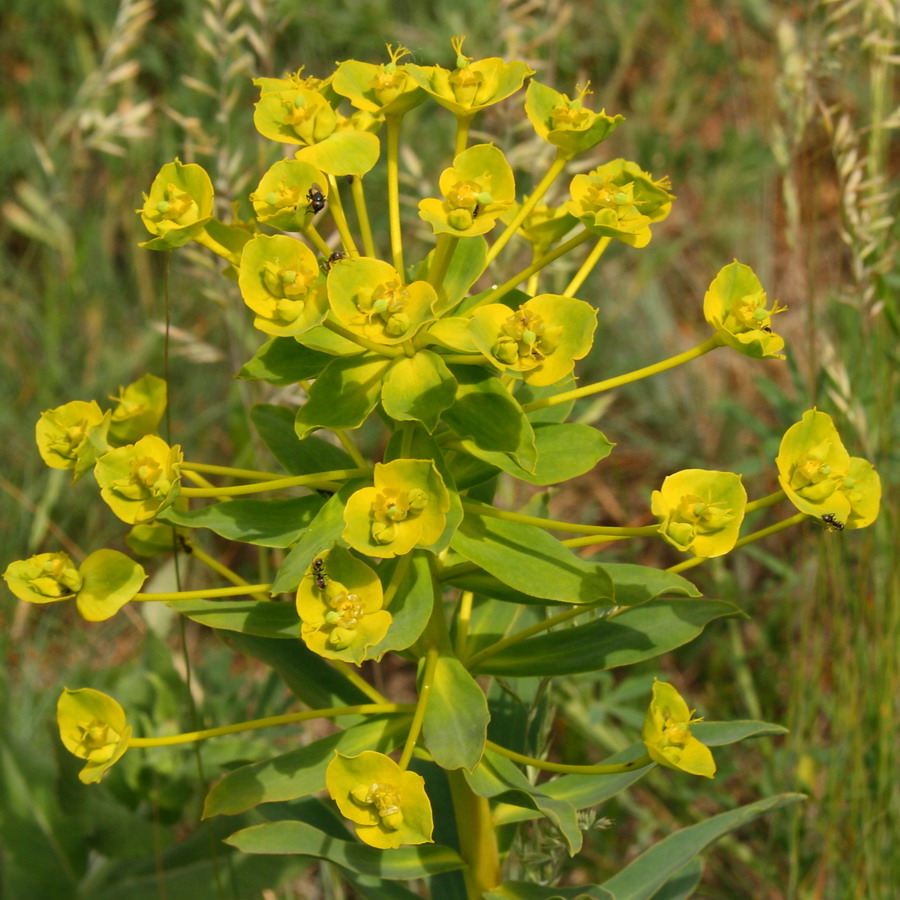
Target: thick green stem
362,215
463,124
419,716
236,591
190,737
440,261
764,502
627,378
393,183
544,765
317,240
340,220
477,836
380,349
230,472
587,267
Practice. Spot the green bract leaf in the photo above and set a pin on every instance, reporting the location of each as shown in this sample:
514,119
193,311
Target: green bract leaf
566,123
110,580
410,606
282,198
275,425
263,618
346,152
640,879
300,772
418,388
639,633
267,523
541,339
282,361
279,281
344,394
456,717
179,205
488,414
466,265
530,560
138,410
296,837
735,305
476,190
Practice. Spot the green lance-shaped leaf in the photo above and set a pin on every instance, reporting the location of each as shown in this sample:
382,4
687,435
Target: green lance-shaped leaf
402,864
683,883
275,425
637,584
498,777
344,394
258,617
530,560
527,890
418,388
299,772
282,361
324,531
487,413
266,523
456,717
410,606
640,879
564,451
345,152
634,635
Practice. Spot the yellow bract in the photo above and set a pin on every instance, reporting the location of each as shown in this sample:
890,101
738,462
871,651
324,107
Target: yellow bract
388,805
92,726
72,436
667,734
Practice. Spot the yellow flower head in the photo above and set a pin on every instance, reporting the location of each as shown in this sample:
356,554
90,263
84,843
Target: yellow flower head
821,478
406,508
388,806
72,436
339,602
44,578
700,511
92,727
138,410
297,115
179,205
735,305
471,86
382,90
667,734
140,479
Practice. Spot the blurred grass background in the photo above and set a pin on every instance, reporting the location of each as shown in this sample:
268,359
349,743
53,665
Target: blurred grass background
777,123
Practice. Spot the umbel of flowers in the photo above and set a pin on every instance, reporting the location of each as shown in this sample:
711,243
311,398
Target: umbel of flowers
467,364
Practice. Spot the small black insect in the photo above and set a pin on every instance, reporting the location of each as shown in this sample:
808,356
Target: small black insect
832,523
335,257
767,329
318,573
316,199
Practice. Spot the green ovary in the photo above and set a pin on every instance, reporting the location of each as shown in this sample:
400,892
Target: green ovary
386,800
607,195
748,314
175,204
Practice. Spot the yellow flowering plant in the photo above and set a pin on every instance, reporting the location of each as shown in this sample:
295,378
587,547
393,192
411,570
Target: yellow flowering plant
404,589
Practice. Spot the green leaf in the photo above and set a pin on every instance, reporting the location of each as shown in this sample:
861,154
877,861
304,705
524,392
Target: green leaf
636,634
411,605
307,675
275,425
267,523
527,890
530,560
344,152
716,734
324,531
270,619
300,772
418,388
637,584
456,717
402,864
498,777
682,885
283,361
488,414
466,265
344,394
640,879
564,451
